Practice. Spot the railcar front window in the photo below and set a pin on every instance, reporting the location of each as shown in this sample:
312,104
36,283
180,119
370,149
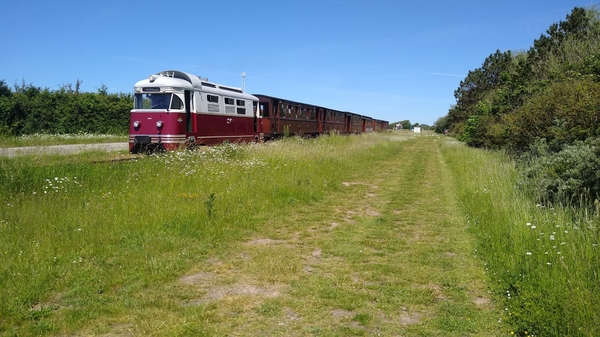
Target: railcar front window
152,101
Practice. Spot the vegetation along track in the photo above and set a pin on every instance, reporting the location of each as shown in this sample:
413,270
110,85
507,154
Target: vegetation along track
345,236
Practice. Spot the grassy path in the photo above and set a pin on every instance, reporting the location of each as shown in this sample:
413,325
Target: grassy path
386,254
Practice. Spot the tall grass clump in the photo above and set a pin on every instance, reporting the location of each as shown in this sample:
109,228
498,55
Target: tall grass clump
542,262
85,245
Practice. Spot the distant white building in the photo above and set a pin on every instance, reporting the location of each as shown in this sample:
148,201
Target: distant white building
417,129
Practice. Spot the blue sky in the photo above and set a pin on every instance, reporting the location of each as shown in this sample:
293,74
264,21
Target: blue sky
389,59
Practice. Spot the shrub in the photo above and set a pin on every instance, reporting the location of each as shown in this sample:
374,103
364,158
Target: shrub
569,177
30,110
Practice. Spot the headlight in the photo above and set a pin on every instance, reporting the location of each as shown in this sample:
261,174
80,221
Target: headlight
159,124
137,124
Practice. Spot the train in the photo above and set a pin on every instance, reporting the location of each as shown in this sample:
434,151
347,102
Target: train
174,109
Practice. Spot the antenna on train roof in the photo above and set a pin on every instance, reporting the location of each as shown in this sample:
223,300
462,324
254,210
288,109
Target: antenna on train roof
244,81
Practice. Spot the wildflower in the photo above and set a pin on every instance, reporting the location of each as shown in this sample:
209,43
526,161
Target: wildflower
528,253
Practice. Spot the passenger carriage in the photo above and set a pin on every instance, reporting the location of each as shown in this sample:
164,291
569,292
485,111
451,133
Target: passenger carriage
368,124
335,121
280,116
354,123
380,125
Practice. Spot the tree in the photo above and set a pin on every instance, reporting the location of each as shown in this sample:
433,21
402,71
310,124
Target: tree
406,125
490,100
441,125
4,89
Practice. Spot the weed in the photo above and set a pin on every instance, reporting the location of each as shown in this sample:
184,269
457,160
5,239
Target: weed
286,131
209,203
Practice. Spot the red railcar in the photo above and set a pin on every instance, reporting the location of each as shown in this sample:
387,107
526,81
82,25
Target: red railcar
173,108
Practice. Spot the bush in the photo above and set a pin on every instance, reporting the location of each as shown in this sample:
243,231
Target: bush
483,131
562,113
31,110
568,177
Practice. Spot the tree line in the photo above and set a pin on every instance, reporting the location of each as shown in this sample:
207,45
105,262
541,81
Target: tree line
542,106
27,109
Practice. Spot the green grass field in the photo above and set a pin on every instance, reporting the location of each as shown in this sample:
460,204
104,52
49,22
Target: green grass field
381,234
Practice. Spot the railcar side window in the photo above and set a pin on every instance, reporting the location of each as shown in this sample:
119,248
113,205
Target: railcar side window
241,102
212,98
229,101
176,103
241,111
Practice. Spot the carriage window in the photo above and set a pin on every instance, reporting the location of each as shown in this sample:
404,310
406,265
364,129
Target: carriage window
264,110
241,111
241,102
212,98
230,101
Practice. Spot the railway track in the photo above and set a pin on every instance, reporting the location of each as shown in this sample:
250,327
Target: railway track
12,152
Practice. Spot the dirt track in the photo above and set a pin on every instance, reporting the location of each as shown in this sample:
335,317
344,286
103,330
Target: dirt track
61,149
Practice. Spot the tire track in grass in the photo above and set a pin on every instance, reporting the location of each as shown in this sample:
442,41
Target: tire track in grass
386,255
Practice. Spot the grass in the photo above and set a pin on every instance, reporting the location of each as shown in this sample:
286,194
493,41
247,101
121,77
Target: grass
59,139
336,236
542,262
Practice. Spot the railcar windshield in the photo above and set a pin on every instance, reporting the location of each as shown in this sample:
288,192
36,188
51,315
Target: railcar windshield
157,101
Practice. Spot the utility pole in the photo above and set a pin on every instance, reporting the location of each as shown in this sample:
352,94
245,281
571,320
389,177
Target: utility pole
244,81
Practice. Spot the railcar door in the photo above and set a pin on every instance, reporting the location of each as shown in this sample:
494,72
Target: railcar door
320,118
265,121
188,111
255,117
